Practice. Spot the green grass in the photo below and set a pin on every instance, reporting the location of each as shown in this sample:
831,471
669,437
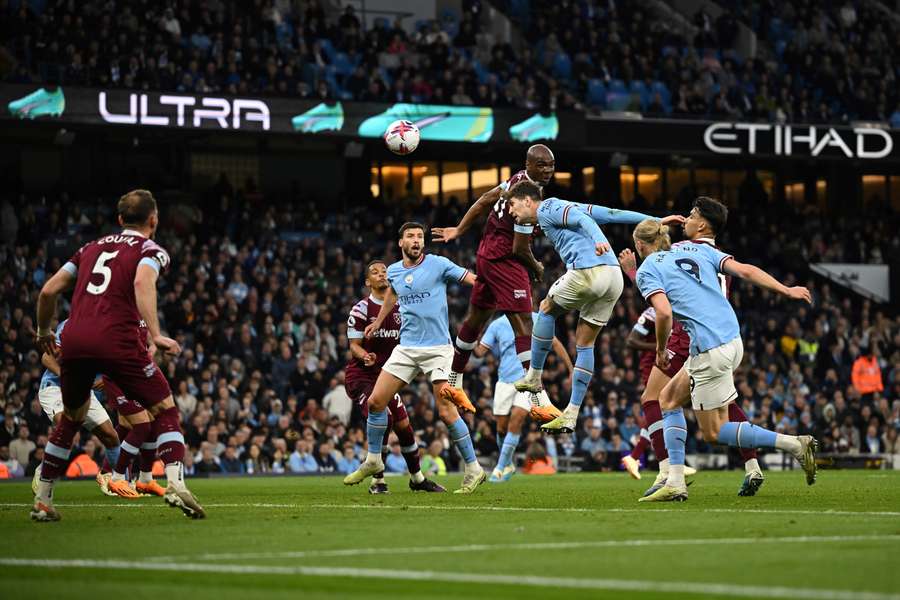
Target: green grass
852,519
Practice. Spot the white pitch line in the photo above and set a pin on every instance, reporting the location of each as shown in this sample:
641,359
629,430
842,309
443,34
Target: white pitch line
476,508
382,551
684,587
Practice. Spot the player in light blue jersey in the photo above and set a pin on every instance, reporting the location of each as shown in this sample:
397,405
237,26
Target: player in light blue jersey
591,285
684,280
419,284
511,406
96,420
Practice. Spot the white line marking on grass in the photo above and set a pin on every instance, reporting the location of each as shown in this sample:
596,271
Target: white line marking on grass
684,587
476,508
381,551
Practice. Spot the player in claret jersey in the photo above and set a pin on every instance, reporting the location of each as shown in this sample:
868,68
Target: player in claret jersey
505,266
114,287
369,355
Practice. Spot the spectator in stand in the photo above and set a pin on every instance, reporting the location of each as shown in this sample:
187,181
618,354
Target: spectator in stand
20,449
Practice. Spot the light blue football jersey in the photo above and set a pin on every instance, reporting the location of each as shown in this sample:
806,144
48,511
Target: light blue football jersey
574,230
48,379
689,275
422,296
500,338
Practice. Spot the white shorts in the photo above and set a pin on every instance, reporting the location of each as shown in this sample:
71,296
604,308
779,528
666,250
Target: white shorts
51,401
506,396
406,362
593,292
712,375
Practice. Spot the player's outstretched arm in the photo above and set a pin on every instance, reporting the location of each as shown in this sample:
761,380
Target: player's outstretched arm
663,309
522,252
145,297
760,278
561,353
61,281
476,212
603,215
390,301
635,341
469,278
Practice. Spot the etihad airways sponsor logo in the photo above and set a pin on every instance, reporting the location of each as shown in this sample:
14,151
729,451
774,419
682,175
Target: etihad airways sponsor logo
189,111
792,140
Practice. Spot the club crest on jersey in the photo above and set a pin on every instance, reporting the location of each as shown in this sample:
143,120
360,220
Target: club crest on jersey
397,318
408,279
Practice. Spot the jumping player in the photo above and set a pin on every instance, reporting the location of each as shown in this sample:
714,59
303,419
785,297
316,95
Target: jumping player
684,279
369,355
504,263
114,281
510,406
96,419
591,285
418,283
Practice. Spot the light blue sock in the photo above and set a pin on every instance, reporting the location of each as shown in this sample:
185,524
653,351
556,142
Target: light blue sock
112,456
510,443
541,339
459,435
582,374
675,435
746,435
500,440
376,425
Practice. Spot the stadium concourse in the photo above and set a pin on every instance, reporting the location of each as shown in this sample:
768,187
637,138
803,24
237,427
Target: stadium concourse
260,307
817,62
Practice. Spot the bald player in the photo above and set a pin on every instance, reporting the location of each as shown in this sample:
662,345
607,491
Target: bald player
504,263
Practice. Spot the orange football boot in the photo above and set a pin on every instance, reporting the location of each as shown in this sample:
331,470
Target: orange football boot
152,488
123,489
545,414
457,397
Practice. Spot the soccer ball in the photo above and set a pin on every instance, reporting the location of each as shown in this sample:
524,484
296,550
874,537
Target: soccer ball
401,137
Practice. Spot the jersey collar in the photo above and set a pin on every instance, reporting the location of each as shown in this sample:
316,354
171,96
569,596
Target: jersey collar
132,232
525,171
372,298
415,264
705,240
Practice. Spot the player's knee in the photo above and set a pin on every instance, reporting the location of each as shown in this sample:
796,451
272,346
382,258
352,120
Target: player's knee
165,404
166,420
546,306
710,434
377,402
447,411
107,435
667,400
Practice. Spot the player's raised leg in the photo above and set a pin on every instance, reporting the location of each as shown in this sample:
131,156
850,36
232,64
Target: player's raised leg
466,340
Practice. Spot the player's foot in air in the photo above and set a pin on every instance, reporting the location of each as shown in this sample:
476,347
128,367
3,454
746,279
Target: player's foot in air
183,498
43,511
103,481
458,398
501,476
472,479
151,489
379,488
807,457
667,493
752,482
121,488
561,424
530,383
632,466
545,414
426,485
366,469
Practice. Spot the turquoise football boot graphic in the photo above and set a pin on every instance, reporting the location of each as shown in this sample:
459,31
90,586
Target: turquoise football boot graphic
536,127
38,104
436,122
322,117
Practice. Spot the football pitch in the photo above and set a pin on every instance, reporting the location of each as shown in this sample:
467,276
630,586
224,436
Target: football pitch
563,536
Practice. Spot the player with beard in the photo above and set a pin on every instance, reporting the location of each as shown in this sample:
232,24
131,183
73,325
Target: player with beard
369,355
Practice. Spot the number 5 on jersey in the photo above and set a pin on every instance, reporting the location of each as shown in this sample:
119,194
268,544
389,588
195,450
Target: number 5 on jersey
101,269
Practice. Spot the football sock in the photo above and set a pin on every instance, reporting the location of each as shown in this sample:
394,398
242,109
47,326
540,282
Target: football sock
736,415
581,375
746,435
459,435
510,443
170,445
500,436
675,433
653,416
112,456
463,346
131,447
638,451
376,425
147,458
541,342
59,446
523,350
384,453
410,451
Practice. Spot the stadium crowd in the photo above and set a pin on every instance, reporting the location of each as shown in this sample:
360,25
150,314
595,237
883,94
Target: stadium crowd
819,62
259,304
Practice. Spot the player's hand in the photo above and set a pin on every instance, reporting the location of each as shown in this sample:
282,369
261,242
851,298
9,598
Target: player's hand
627,260
601,248
369,359
444,234
47,343
798,292
167,345
98,384
662,359
676,219
538,274
371,328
